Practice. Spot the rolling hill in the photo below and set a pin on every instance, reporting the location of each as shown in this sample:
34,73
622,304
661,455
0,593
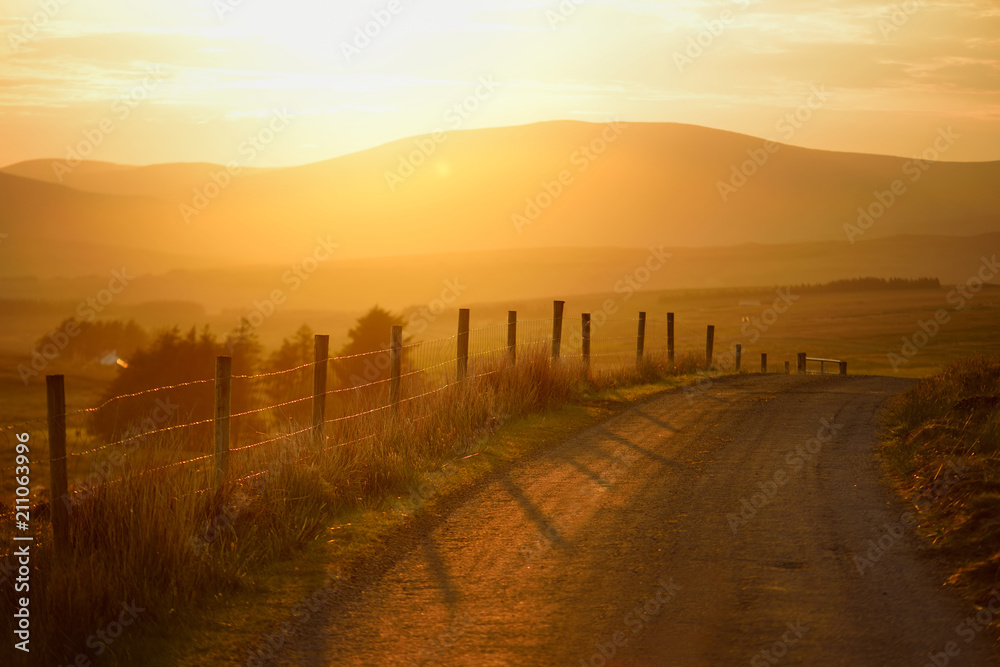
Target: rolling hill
625,186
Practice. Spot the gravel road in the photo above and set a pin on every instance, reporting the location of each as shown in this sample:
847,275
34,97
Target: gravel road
745,524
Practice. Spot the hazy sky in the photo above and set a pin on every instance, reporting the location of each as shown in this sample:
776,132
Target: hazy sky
189,80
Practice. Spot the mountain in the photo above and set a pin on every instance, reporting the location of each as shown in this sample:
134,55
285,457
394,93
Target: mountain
554,184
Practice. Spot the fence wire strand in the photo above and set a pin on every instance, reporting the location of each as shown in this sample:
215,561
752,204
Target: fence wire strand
429,369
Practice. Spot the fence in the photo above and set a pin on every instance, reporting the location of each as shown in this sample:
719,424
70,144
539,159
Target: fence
209,427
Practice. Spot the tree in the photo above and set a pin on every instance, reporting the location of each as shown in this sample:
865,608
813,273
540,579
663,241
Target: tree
370,339
89,341
172,359
294,352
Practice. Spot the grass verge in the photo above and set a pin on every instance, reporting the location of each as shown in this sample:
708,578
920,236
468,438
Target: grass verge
941,446
261,621
188,570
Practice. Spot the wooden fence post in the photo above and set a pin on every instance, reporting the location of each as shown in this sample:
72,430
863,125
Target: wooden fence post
640,340
463,344
395,365
739,354
557,317
223,408
585,339
670,338
763,362
321,355
801,362
56,389
709,345
512,336
843,368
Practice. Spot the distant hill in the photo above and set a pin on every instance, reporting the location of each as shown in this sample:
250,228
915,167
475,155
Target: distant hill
655,184
42,170
169,182
354,284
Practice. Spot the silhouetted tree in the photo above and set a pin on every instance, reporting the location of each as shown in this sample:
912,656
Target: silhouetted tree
89,341
294,352
370,335
171,359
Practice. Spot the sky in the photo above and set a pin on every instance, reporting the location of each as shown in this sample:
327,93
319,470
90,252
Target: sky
150,81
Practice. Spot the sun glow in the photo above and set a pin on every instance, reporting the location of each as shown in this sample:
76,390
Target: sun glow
361,74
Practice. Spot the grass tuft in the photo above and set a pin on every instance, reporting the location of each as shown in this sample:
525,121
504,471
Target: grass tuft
942,445
157,539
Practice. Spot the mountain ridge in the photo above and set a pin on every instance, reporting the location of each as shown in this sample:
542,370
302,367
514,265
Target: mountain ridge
547,184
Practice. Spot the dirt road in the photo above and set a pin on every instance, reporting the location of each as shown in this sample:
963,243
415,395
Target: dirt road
746,524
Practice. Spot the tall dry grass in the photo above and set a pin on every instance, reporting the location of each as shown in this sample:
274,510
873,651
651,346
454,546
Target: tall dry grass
942,444
159,539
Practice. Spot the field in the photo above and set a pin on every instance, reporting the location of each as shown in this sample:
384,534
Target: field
862,327
865,328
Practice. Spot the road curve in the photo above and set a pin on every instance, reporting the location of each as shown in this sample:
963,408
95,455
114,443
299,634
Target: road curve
738,525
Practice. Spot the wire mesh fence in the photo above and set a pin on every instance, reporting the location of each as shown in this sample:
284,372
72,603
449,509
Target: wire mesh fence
172,429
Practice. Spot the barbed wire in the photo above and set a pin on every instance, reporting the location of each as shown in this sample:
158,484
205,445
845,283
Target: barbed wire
135,395
280,436
430,365
255,376
144,434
